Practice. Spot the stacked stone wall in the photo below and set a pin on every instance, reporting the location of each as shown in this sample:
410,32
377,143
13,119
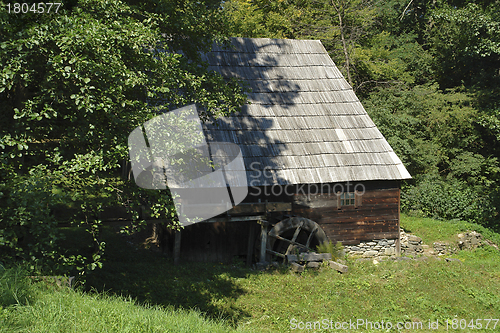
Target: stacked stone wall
375,248
411,245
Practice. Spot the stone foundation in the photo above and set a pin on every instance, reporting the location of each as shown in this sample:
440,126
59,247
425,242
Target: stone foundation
410,244
375,248
466,241
442,248
470,240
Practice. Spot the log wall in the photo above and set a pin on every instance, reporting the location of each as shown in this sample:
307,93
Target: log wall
375,215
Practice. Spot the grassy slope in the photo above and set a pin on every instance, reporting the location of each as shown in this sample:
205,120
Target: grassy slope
267,301
52,309
431,230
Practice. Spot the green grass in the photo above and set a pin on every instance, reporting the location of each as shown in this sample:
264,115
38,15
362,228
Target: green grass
431,230
208,297
46,308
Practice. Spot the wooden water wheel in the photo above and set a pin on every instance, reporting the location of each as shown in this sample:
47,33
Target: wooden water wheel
295,234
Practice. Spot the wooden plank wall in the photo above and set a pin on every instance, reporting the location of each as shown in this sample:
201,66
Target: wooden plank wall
375,216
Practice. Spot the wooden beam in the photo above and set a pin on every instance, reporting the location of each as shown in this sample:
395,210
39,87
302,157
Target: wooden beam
263,242
289,241
398,240
235,219
121,221
309,257
295,235
177,247
242,208
281,255
251,241
278,207
311,236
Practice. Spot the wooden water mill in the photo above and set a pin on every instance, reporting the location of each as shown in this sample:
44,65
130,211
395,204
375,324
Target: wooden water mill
289,236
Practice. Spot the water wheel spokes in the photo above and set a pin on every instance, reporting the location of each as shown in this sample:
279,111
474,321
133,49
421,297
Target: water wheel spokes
294,234
294,238
311,235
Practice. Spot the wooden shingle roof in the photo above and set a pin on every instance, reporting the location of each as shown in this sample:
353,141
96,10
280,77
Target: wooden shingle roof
304,124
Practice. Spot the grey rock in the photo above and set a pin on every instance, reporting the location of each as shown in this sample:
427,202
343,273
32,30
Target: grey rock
370,254
452,260
296,267
339,267
390,251
413,238
313,264
415,248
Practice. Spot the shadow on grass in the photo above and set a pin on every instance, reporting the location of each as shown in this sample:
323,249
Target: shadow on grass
151,278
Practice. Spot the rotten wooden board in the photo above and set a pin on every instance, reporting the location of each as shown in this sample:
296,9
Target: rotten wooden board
309,257
250,208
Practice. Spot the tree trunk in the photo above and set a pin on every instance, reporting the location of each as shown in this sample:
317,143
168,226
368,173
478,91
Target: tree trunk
339,8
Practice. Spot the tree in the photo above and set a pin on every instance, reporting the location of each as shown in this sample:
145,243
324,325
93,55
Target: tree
262,18
73,85
466,45
341,26
340,6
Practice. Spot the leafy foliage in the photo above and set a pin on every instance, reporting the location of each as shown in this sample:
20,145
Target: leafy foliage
73,86
470,37
336,250
448,200
271,19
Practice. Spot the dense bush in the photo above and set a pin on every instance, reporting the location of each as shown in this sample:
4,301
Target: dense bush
15,287
28,230
448,200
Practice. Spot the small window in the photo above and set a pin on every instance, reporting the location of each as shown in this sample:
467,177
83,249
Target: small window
347,199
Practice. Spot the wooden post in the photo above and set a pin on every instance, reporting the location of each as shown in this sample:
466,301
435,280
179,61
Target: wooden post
251,241
263,241
398,240
177,247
